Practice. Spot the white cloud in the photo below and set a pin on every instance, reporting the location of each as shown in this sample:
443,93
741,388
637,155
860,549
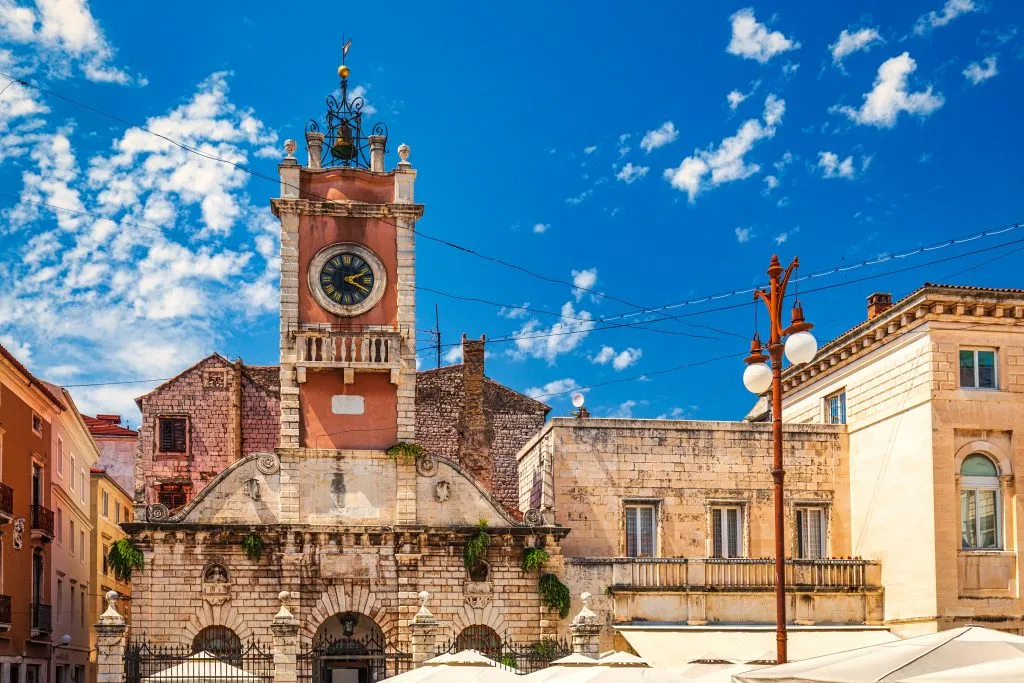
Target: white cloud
744,234
950,11
623,147
63,34
20,349
883,104
535,341
626,358
725,163
663,135
624,410
847,43
580,198
771,182
558,386
514,312
453,355
604,356
583,280
832,167
752,39
783,237
590,150
978,73
629,173
541,228
735,98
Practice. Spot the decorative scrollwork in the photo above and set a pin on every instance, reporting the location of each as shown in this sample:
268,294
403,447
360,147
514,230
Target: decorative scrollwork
157,512
268,463
533,517
426,465
345,144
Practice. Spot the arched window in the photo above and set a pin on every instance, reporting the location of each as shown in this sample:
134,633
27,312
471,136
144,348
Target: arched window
481,638
979,503
219,641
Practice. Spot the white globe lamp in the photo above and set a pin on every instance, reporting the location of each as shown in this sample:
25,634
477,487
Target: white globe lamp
801,347
757,378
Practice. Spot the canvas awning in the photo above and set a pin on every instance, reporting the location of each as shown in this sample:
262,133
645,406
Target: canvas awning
672,645
899,660
467,666
999,671
202,666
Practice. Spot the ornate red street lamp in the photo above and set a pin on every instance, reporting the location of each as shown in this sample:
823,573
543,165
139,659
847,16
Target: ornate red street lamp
799,346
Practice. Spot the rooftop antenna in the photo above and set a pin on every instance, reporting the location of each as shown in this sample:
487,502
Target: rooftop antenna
437,334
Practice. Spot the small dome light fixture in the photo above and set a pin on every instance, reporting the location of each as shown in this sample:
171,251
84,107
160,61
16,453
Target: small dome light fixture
757,378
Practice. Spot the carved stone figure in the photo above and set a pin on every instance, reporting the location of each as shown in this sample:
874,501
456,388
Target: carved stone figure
442,491
19,533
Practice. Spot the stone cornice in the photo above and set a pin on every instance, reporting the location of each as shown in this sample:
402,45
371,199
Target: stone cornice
928,304
344,208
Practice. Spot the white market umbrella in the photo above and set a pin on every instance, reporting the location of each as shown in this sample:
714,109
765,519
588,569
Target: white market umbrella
560,667
202,666
468,666
721,671
898,660
999,671
622,659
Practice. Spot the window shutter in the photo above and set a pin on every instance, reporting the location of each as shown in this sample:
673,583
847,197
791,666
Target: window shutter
179,436
631,549
646,531
716,532
801,533
733,519
165,435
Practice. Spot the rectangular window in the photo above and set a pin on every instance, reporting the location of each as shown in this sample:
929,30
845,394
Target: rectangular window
172,434
117,511
60,457
979,512
641,530
172,495
81,485
60,601
82,550
33,673
835,409
37,425
727,531
60,526
105,498
71,603
977,369
106,565
81,609
71,536
810,533
71,471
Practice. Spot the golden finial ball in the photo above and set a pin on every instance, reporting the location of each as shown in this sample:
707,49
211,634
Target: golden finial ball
343,71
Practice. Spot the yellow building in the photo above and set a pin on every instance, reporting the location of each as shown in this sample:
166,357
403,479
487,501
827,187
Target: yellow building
111,505
931,390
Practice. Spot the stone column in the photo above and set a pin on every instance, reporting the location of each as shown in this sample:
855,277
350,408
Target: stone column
423,629
285,628
315,147
586,631
377,153
111,630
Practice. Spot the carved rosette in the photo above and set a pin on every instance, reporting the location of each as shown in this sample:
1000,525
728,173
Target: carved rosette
426,465
533,517
157,512
268,463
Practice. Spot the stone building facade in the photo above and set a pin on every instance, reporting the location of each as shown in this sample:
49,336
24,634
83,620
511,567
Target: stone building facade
118,445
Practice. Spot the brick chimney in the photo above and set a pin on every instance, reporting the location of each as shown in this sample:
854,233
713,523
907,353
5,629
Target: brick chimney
109,419
474,446
878,303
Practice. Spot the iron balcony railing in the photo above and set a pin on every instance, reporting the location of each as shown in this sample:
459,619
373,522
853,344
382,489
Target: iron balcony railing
6,500
5,611
42,615
42,519
737,573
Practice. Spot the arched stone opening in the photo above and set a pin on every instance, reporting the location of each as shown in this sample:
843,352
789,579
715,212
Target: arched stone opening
350,647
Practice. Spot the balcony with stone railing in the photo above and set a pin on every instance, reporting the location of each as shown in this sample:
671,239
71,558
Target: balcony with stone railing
732,590
367,349
5,613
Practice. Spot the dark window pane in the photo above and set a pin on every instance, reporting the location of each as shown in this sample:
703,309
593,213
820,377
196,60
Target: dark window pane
732,516
716,533
631,549
977,465
172,434
987,369
967,369
969,538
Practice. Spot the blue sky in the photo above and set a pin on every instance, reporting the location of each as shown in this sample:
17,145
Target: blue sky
652,152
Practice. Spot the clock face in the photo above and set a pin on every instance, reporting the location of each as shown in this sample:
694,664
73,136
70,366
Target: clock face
346,279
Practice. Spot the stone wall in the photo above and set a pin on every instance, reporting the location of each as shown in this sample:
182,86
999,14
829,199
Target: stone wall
683,467
231,410
510,420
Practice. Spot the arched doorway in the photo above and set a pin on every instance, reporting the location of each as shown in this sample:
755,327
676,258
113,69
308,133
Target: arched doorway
219,641
481,638
350,647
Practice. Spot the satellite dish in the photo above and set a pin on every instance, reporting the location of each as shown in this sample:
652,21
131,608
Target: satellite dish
577,400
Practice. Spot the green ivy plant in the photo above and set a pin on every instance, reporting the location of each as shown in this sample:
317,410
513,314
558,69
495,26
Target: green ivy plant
476,547
546,648
554,594
124,558
534,558
252,544
508,660
406,452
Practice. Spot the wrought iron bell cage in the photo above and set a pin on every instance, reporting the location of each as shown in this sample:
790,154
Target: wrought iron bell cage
345,143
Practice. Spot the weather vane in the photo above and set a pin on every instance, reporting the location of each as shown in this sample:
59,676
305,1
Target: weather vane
346,144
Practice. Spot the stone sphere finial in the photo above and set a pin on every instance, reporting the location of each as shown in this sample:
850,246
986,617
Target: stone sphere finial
283,596
289,148
424,596
585,597
112,597
403,153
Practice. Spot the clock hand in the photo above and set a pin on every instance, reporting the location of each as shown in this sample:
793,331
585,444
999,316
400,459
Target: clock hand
351,278
359,286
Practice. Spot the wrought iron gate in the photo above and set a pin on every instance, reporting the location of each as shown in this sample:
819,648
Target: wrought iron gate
525,658
368,659
250,662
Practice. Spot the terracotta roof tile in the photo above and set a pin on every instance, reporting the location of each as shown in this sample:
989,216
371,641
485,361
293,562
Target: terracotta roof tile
35,381
103,428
